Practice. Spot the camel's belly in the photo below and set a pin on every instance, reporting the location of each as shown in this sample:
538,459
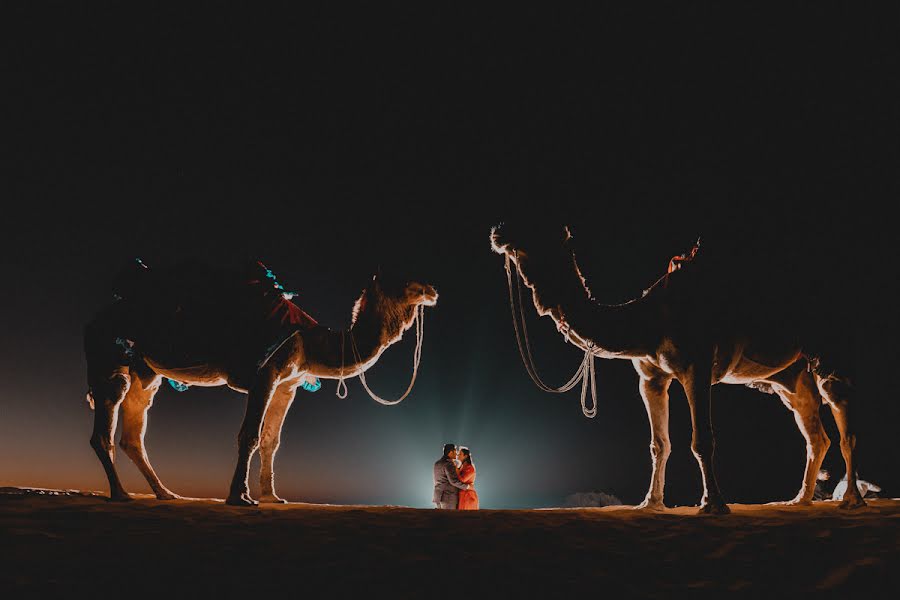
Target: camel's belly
747,371
201,375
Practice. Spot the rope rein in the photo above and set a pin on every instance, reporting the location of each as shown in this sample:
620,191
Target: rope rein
585,373
419,320
417,357
525,349
341,382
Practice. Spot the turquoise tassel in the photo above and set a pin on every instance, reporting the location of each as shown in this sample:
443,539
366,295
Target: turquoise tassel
178,386
312,387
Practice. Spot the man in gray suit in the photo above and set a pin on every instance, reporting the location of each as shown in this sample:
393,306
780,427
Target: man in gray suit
446,480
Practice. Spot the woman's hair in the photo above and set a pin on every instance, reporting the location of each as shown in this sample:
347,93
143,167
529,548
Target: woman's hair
466,455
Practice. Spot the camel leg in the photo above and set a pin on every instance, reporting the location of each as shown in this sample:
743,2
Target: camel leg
107,396
803,400
258,398
837,394
696,383
654,387
137,402
271,439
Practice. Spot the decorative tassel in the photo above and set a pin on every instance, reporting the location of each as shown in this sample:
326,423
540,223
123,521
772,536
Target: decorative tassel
178,386
312,387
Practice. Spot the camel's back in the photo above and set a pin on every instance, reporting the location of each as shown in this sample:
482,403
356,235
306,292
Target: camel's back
769,294
191,313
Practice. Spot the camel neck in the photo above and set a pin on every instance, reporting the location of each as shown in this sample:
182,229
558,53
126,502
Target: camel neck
616,331
378,325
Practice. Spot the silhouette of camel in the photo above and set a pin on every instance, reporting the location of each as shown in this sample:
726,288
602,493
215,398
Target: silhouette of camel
197,331
694,327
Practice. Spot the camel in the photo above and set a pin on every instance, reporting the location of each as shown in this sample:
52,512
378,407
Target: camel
127,374
691,328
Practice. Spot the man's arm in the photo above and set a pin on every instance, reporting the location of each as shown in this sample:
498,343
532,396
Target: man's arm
453,478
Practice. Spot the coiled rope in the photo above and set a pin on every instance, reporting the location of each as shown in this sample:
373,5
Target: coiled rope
585,372
341,382
419,320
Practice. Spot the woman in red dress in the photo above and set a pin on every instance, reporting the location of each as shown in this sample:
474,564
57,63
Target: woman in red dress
468,499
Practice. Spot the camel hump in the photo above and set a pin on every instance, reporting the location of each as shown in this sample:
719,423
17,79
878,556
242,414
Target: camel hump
192,278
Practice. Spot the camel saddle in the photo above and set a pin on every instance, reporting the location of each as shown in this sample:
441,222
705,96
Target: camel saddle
202,310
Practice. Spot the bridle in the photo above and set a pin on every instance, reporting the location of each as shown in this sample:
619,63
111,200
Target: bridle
419,320
585,372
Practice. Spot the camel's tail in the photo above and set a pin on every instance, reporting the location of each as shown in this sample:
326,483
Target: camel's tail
106,354
830,350
829,366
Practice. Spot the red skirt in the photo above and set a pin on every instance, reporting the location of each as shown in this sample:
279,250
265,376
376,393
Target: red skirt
468,500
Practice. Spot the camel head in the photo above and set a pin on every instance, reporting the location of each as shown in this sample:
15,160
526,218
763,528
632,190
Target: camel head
395,299
520,238
543,259
404,291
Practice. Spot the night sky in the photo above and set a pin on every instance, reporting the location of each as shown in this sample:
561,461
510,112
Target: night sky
328,146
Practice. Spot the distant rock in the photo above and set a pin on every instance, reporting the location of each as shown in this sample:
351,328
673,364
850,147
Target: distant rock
582,499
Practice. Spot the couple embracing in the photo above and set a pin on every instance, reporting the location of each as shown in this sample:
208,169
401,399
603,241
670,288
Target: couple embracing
454,476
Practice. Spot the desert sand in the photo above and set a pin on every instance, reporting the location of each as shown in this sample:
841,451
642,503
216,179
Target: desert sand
78,542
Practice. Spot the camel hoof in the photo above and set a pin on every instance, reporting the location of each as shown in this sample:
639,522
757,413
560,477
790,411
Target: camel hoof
121,497
242,500
271,499
651,506
852,504
714,508
167,495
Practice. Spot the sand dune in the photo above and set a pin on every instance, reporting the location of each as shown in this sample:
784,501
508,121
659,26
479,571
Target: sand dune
67,540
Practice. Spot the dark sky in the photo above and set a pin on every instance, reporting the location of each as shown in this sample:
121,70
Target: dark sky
329,145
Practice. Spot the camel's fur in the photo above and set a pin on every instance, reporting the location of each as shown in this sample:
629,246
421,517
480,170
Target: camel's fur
688,330
381,316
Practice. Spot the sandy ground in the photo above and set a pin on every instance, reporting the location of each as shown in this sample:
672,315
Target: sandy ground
66,542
